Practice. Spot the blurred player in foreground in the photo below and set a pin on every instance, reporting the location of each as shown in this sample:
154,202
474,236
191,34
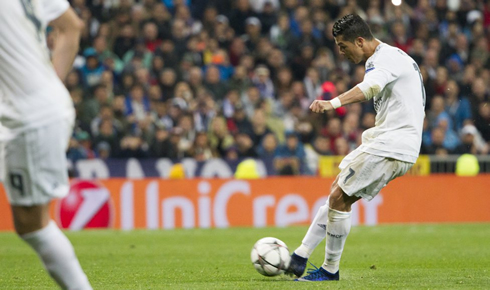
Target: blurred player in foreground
38,111
388,150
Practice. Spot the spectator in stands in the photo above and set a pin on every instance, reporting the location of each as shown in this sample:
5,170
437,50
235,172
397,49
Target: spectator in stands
251,100
267,149
342,147
103,150
91,72
472,142
312,84
482,120
290,156
108,135
281,34
139,56
214,84
227,59
137,105
167,82
479,94
465,84
401,40
104,54
252,28
85,144
161,146
194,78
231,154
306,131
283,81
204,113
267,14
333,131
245,146
105,113
319,147
162,19
107,80
133,147
262,81
239,123
119,111
192,26
219,137
72,81
239,15
92,106
458,107
188,135
437,112
180,36
285,102
441,80
451,138
351,130
259,127
201,149
437,143
76,151
302,60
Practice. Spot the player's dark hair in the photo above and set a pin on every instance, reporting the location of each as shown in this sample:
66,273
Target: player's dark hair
350,27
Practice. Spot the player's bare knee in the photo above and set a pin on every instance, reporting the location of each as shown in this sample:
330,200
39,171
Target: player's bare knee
29,218
334,184
336,200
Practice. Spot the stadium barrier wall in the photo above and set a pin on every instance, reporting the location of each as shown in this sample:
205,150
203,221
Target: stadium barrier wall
278,201
161,167
215,167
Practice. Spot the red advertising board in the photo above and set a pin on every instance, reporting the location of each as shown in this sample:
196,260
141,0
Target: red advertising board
276,201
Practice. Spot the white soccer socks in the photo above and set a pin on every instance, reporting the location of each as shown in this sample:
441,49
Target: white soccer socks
58,257
338,227
316,233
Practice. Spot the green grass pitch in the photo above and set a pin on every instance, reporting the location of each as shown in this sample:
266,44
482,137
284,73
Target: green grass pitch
381,257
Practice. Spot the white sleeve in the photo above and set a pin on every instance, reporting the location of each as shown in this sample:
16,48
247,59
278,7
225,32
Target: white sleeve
53,9
378,75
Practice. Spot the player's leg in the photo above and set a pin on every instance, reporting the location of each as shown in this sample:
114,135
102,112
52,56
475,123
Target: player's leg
361,177
35,174
314,236
34,225
317,231
337,229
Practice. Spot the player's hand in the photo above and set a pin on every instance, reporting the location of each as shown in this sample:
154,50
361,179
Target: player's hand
319,106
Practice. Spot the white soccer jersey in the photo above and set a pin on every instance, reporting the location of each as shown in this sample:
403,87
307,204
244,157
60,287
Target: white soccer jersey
31,93
399,104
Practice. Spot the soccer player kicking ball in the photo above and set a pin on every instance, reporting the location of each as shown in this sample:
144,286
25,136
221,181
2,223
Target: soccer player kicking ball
388,150
38,111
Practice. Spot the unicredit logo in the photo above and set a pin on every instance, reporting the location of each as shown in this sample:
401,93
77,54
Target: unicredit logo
87,205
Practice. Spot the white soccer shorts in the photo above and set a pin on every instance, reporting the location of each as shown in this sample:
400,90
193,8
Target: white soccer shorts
364,175
35,169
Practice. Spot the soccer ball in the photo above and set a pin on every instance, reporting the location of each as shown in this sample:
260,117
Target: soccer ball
270,256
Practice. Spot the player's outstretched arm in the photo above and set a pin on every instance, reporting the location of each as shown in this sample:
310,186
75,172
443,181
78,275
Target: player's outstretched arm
69,28
354,95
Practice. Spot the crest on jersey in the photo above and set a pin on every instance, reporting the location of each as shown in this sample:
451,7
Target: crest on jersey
369,66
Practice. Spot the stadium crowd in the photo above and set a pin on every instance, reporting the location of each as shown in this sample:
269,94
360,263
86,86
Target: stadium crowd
234,79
